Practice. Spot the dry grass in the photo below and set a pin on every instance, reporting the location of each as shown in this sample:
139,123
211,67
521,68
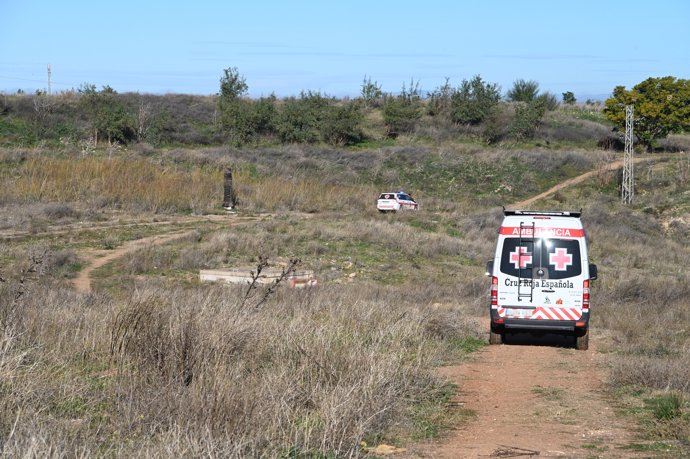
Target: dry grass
168,370
139,185
155,364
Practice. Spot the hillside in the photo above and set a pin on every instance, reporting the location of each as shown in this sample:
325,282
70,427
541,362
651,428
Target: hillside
151,362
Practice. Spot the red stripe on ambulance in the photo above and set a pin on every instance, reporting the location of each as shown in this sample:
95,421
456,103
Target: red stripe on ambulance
542,231
550,313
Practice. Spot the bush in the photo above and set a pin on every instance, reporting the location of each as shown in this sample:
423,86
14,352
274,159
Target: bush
473,101
523,91
527,119
401,113
299,120
107,115
342,124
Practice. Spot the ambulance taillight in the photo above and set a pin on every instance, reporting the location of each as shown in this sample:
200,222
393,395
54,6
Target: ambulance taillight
494,291
585,294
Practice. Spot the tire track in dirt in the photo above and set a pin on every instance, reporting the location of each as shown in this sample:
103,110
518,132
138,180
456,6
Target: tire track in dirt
97,258
533,396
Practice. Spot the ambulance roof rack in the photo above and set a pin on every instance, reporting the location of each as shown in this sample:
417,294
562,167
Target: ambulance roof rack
553,213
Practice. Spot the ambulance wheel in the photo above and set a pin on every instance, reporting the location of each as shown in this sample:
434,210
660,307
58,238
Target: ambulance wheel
495,337
582,339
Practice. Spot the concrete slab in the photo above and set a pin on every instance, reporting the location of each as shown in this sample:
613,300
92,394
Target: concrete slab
298,279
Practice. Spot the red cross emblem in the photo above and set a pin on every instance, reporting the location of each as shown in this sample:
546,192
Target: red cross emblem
520,258
561,259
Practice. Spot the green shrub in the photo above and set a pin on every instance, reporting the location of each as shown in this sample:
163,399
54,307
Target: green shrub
527,119
473,101
569,98
342,124
371,93
402,112
299,120
107,115
523,91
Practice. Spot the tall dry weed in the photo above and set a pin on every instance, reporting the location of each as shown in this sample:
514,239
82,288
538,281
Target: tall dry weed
143,185
188,371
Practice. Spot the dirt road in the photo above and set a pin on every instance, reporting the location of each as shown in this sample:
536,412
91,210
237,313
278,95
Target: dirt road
96,258
534,396
612,166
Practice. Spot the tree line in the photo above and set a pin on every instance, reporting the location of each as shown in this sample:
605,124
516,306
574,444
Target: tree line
662,107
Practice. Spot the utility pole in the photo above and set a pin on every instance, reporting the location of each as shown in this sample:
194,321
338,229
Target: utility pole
627,189
49,74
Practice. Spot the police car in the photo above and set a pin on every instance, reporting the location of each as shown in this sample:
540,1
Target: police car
394,201
540,276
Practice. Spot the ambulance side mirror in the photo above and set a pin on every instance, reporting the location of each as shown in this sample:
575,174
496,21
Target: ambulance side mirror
592,271
489,268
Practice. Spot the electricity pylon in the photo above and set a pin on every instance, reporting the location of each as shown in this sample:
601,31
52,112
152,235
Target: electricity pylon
627,190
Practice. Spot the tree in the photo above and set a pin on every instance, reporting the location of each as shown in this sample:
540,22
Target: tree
371,93
569,98
108,115
549,100
300,119
232,85
401,112
661,107
342,124
43,105
440,100
528,115
523,91
473,101
263,116
235,112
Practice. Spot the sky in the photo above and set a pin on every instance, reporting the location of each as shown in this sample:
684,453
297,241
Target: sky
587,47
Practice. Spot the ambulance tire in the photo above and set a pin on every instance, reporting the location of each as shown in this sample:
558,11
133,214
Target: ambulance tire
495,337
582,339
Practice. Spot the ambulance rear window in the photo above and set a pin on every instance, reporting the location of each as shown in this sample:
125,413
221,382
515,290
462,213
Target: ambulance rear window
560,258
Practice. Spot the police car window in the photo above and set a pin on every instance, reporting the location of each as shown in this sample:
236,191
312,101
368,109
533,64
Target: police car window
560,257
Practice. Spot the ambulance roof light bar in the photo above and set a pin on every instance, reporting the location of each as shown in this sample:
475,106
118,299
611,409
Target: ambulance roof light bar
554,213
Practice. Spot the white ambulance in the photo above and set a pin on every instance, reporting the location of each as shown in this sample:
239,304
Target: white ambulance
540,276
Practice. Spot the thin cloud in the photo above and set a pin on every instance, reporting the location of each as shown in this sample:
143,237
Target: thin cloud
589,57
541,57
252,44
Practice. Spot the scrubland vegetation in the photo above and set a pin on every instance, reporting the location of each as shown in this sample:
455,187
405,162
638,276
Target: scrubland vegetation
152,363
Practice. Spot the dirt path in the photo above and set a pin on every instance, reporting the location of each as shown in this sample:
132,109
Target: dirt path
533,396
97,258
573,181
